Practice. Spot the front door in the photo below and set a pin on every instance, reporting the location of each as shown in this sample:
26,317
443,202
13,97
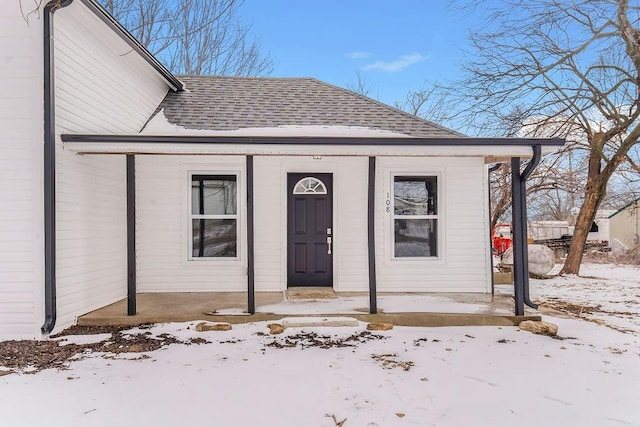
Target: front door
309,229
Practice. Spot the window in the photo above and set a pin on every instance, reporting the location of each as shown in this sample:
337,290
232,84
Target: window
309,185
214,216
415,216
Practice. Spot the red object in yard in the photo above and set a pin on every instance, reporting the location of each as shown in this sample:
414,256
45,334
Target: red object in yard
501,238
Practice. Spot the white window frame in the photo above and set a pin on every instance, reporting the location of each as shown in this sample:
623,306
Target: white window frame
438,216
191,216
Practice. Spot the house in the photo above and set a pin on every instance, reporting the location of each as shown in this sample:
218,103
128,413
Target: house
118,177
624,229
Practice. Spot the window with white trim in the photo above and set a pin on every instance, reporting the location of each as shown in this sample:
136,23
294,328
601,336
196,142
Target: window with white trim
214,216
415,216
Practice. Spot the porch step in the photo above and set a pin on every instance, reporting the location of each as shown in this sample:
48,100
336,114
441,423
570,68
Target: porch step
315,292
500,278
310,322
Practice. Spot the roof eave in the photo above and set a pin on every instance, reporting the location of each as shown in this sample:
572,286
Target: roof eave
624,207
489,149
173,82
312,140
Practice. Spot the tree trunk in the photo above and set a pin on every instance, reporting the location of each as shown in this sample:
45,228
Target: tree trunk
587,214
501,207
594,193
499,193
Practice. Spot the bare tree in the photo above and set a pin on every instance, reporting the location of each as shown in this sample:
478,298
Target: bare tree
575,64
499,193
428,102
557,185
30,8
360,86
194,36
549,191
539,183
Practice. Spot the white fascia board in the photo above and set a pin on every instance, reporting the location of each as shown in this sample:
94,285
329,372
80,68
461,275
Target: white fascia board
297,150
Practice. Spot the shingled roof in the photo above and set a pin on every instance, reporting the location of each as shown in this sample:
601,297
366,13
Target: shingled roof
228,103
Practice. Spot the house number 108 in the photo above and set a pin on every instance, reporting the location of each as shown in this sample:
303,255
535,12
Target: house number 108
387,204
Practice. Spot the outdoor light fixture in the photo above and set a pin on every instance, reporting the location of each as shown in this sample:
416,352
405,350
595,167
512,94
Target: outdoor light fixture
317,157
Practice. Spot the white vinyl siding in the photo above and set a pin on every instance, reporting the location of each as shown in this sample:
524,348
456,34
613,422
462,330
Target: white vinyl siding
163,241
462,264
162,221
163,216
21,223
102,86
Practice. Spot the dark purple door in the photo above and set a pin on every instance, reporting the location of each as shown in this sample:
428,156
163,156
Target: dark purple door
310,229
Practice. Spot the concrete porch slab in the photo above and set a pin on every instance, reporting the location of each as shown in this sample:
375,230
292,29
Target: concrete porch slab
231,307
178,307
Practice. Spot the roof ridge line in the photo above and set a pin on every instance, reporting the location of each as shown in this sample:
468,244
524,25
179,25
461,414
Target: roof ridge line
389,107
242,77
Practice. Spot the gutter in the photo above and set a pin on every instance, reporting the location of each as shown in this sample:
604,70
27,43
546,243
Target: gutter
50,168
312,140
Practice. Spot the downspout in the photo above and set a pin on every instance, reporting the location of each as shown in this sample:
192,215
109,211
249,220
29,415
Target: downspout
519,218
521,232
533,163
50,168
519,244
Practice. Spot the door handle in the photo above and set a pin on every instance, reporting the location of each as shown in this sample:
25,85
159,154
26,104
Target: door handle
328,245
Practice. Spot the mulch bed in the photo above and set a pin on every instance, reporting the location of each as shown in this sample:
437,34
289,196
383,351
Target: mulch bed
31,356
311,339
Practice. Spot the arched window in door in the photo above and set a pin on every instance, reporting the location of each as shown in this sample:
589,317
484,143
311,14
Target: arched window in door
309,185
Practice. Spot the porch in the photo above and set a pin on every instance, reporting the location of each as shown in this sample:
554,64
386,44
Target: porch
401,309
263,241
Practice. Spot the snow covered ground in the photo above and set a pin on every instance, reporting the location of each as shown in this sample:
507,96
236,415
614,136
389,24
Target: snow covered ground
458,376
604,293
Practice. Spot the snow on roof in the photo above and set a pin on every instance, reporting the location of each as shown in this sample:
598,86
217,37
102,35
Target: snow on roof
160,125
227,103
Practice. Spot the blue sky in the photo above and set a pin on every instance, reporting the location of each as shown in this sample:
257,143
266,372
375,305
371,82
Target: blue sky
396,45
